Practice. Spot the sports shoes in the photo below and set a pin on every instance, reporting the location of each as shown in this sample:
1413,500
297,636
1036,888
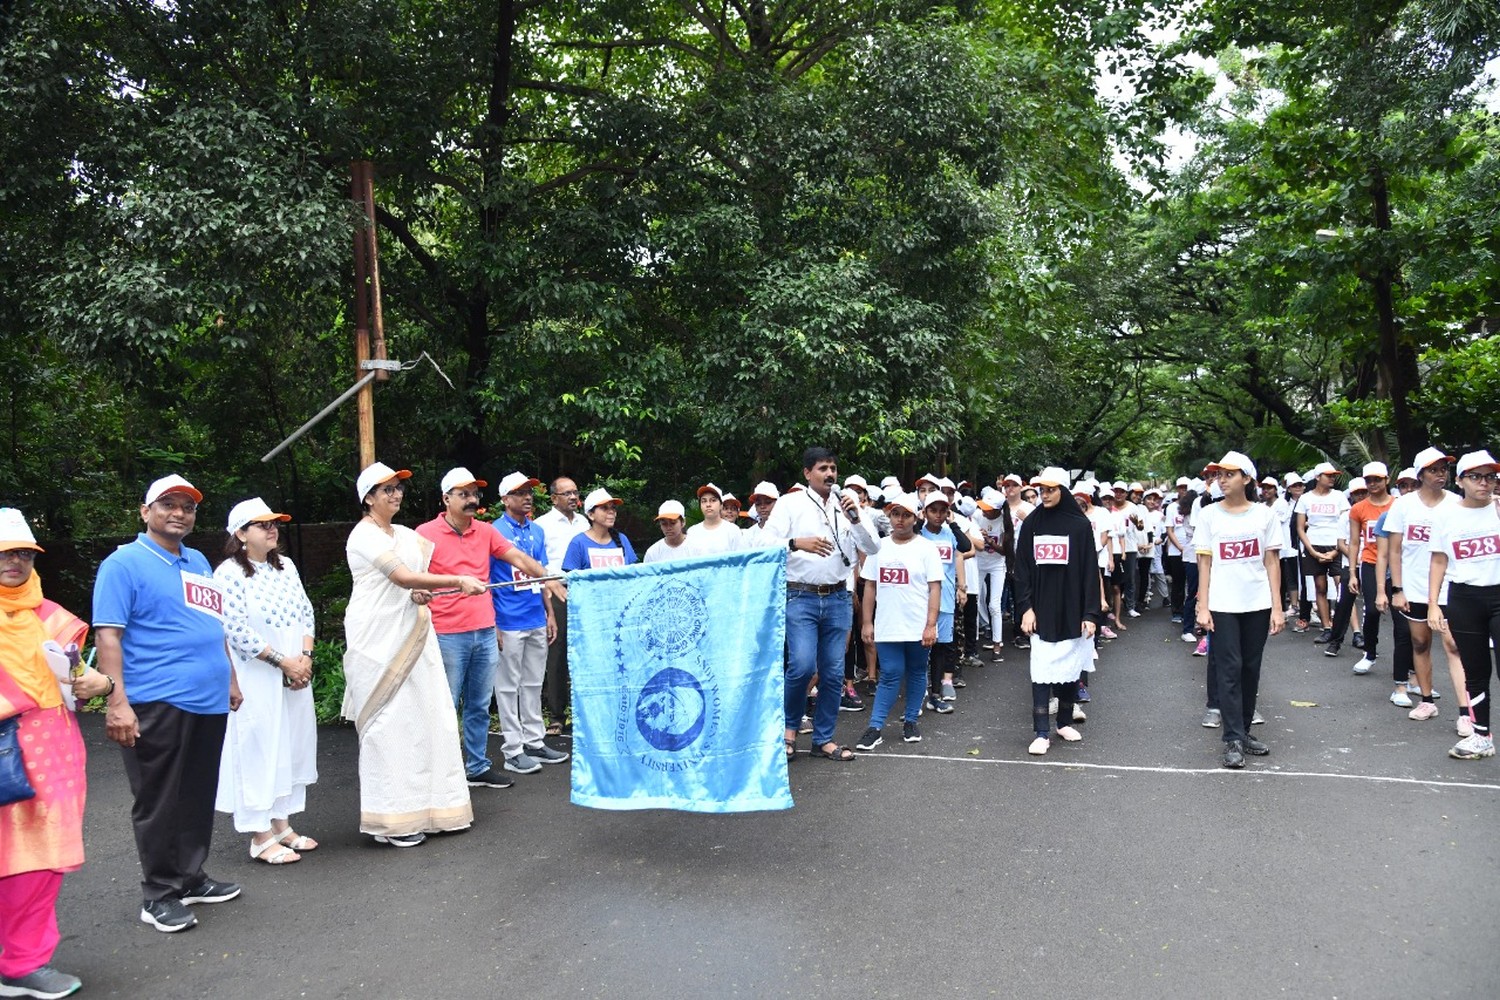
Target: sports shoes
1301,625
1212,718
521,763
491,778
209,891
1189,637
1425,710
1202,648
45,983
1176,619
403,840
850,701
1234,754
1133,613
910,733
1078,715
1039,746
543,754
1069,734
1021,642
997,653
870,740
1465,726
1108,633
938,705
1256,719
1473,747
1400,698
1357,640
807,725
1324,636
1083,694
958,680
167,915
1334,648
1362,666
949,694
1252,745
1412,687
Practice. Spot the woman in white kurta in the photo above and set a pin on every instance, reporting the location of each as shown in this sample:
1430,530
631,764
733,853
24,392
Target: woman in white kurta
270,751
411,770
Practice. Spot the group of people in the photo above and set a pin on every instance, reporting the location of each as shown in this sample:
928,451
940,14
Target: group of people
207,672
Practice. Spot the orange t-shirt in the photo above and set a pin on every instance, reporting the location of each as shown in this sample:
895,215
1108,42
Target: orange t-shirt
1365,514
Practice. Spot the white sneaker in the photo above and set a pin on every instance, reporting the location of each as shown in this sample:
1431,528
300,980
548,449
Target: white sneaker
1465,726
1473,747
1039,746
1257,719
1412,687
1078,715
1424,711
1363,665
1071,735
1133,613
1189,637
1400,698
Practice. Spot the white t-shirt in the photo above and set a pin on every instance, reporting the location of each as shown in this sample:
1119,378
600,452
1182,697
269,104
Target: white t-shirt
1324,515
705,541
1182,530
901,572
1237,545
993,530
1103,523
1154,527
1413,520
1283,512
1470,536
660,551
1130,511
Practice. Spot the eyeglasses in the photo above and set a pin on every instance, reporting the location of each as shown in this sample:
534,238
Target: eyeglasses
266,525
391,489
464,494
184,508
20,555
565,493
515,493
1482,477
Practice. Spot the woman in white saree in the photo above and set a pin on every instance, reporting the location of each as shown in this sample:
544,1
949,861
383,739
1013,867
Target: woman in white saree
411,769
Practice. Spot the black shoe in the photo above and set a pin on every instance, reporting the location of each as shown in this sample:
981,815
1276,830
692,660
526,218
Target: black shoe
1234,754
1022,643
937,705
209,891
850,702
1255,746
1333,648
167,915
870,740
1358,641
910,733
492,778
1324,636
958,680
45,983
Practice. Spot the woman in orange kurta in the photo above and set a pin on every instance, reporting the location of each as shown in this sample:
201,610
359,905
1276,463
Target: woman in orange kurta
41,838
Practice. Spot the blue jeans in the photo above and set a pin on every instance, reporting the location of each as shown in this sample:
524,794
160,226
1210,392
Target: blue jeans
900,660
469,660
817,626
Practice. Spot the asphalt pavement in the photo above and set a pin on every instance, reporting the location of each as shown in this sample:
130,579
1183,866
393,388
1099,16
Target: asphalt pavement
1354,861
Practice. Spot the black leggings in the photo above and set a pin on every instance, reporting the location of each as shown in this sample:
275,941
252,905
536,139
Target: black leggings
1173,567
1066,695
1474,622
1239,643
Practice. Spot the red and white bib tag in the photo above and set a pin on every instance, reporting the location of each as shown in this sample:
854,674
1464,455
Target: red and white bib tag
945,551
1483,547
1050,550
202,593
896,576
1419,533
605,558
1242,548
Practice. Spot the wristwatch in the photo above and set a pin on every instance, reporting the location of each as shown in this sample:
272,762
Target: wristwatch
791,544
1395,590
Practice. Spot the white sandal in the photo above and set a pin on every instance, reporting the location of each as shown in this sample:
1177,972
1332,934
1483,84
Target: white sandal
273,852
297,841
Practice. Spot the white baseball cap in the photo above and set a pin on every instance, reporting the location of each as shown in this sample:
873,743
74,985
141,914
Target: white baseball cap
1406,474
931,479
1013,478
1291,479
1184,481
1431,456
891,483
454,478
1151,491
906,501
765,489
1322,469
1136,487
1357,483
1119,485
599,498
1475,460
513,482
1236,461
374,476
670,510
946,484
171,484
710,488
15,533
1052,475
875,493
857,481
1375,469
1270,481
1196,485
254,509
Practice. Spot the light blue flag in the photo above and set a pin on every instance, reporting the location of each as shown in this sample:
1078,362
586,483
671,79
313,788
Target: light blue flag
678,685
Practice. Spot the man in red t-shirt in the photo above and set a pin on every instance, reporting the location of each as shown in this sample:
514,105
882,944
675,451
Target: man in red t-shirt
1362,519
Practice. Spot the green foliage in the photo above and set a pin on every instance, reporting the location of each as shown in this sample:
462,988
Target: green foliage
328,680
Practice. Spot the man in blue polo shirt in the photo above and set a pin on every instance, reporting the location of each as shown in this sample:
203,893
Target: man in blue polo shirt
524,619
158,626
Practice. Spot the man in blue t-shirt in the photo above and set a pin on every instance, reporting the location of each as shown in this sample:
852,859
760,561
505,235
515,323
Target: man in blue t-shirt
525,623
158,626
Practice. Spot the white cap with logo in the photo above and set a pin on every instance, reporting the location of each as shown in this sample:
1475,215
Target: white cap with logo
375,475
15,533
171,484
670,510
454,478
254,509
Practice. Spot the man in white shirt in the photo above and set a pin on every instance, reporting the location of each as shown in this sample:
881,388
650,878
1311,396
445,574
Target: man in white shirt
559,526
824,531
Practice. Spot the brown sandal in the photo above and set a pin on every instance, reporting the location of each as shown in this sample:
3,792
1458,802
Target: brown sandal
839,753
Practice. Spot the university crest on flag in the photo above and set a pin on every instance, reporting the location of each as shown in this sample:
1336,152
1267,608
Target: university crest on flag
678,685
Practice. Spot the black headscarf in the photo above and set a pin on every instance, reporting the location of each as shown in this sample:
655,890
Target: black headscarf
1061,596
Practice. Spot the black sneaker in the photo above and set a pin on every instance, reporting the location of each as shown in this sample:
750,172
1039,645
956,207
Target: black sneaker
1358,640
1254,746
1333,648
958,680
910,733
1234,754
1324,636
45,983
938,705
870,740
492,778
167,915
209,891
851,702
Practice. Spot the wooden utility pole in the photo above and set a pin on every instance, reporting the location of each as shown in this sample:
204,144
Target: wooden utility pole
368,319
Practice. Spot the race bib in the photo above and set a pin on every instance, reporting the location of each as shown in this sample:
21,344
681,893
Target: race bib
1368,535
1419,533
1476,548
202,593
896,576
605,558
519,577
1246,548
1321,509
945,552
1050,550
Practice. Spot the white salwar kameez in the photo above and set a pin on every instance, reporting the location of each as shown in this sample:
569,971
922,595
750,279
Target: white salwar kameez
270,751
411,769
